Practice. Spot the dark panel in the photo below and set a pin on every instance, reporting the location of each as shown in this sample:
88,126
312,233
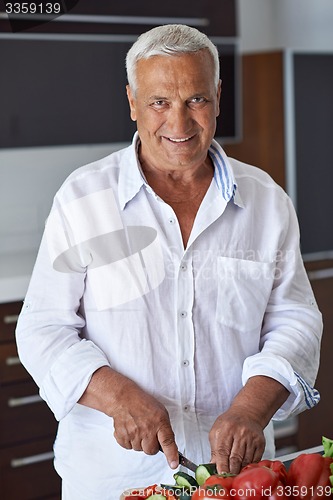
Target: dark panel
220,17
313,76
59,92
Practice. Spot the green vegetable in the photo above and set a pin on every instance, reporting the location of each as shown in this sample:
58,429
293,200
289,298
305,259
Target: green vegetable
203,472
157,496
176,489
328,447
184,479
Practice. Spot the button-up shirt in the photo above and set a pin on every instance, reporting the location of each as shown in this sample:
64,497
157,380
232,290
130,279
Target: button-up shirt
113,285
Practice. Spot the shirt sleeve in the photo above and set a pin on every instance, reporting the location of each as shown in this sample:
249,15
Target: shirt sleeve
292,328
49,327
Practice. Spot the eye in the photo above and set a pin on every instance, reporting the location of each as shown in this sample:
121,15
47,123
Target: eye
159,104
198,101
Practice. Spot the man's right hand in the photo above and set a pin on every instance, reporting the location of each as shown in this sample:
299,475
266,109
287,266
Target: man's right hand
141,422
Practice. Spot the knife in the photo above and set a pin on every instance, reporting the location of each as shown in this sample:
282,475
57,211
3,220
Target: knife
185,462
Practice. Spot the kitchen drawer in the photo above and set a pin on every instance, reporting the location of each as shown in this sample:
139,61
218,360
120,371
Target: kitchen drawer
27,472
11,369
8,317
23,414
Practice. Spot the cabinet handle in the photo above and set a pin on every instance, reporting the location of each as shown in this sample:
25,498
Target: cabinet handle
33,459
10,318
13,360
321,274
26,400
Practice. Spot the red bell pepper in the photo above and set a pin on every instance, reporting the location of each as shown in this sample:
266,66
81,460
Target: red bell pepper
256,482
309,476
142,494
211,492
278,467
135,497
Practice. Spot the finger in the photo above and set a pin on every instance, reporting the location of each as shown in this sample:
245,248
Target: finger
221,446
124,443
237,457
258,453
150,445
220,456
166,439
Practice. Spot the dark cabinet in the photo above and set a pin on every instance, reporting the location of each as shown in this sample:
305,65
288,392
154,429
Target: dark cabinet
132,18
27,425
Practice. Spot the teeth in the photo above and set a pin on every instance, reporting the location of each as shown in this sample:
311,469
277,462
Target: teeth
179,140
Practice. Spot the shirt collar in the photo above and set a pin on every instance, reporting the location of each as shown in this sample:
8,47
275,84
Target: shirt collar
131,177
223,175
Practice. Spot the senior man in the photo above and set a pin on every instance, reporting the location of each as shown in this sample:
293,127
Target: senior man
169,305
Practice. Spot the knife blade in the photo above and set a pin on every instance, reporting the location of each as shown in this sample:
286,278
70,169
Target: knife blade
185,462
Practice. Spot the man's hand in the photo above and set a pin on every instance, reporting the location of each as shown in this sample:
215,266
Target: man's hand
140,421
236,440
237,436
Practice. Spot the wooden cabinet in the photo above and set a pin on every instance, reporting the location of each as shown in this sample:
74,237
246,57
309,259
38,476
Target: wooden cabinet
263,122
27,425
317,422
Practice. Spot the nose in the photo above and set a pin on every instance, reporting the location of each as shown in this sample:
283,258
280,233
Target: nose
179,121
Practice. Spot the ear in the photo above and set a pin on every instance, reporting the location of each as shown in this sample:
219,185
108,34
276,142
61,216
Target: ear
218,97
132,102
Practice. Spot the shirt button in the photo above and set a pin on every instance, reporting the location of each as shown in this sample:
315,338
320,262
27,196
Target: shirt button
183,314
186,408
183,267
172,220
186,362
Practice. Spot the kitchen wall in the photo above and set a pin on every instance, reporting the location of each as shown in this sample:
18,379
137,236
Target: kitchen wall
298,24
29,177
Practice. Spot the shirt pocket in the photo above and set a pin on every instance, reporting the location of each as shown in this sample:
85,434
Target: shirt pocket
244,287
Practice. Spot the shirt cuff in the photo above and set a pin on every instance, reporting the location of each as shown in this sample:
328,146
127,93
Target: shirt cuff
302,395
69,376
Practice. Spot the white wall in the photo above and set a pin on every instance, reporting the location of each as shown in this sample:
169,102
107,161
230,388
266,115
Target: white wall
298,24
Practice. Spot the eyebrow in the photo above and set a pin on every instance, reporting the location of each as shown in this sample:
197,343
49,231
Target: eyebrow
157,98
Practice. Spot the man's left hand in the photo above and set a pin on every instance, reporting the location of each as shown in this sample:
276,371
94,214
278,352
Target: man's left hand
237,436
236,440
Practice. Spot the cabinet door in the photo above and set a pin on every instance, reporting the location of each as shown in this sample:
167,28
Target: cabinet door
318,421
24,415
262,143
27,472
8,317
11,369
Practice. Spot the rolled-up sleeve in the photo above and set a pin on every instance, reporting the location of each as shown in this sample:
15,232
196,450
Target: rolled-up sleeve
48,335
292,328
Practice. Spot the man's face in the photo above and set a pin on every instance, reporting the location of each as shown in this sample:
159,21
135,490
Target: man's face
175,107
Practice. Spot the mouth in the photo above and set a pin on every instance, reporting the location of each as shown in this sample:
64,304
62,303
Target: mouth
177,140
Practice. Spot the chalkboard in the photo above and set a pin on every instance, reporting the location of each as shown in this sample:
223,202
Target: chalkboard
313,98
61,90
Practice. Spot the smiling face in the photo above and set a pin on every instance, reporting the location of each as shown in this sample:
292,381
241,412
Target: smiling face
175,107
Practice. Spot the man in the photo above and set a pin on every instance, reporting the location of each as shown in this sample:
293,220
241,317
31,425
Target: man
169,305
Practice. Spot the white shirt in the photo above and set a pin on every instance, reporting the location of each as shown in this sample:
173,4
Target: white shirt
113,285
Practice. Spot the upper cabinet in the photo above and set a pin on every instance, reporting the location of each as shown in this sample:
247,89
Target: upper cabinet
132,17
65,80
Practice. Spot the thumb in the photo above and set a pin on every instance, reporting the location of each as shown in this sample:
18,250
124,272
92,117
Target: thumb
169,448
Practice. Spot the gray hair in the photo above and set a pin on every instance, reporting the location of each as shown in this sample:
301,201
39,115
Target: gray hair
170,39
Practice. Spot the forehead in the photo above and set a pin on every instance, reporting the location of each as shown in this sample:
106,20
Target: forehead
193,69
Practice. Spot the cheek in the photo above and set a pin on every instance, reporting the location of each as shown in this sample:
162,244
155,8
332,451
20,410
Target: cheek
150,121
